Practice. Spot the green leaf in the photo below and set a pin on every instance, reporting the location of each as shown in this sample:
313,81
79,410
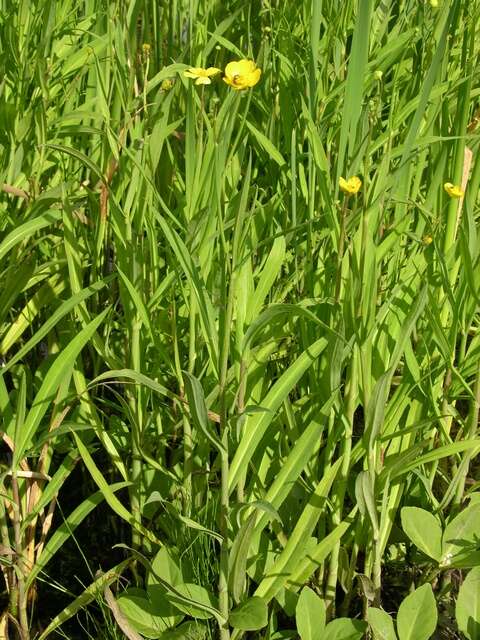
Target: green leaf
461,535
382,624
189,630
55,317
75,153
366,500
66,529
266,144
270,271
259,423
250,615
344,629
141,613
295,549
88,595
424,530
417,615
238,558
239,553
205,306
316,556
53,378
310,615
192,524
110,497
354,88
28,229
194,600
164,566
198,409
467,609
163,569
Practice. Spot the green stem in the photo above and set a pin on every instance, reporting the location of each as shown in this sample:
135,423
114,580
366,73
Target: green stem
21,569
352,394
227,293
341,248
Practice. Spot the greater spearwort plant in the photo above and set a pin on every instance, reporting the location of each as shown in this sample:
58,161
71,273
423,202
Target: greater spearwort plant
239,319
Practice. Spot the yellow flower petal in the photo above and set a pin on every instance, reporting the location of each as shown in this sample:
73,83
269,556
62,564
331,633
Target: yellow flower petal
193,72
242,74
453,190
212,71
201,75
350,186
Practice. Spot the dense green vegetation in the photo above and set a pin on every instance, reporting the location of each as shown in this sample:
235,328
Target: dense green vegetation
242,400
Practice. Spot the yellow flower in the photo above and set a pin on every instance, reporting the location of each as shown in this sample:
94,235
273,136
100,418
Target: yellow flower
427,240
453,190
242,74
351,186
200,75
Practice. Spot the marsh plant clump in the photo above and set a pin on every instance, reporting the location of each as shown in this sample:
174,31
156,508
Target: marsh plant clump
239,319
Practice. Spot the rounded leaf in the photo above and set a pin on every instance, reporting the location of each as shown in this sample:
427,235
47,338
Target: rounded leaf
194,600
417,615
165,567
424,531
250,615
461,535
344,629
381,624
141,614
467,610
189,630
310,615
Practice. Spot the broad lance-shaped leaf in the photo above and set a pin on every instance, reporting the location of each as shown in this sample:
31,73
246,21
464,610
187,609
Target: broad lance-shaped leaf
250,615
295,549
308,565
381,624
264,142
417,615
366,500
110,497
66,529
295,463
55,317
62,364
467,610
28,229
424,531
257,425
89,595
198,409
310,615
239,553
205,307
268,276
